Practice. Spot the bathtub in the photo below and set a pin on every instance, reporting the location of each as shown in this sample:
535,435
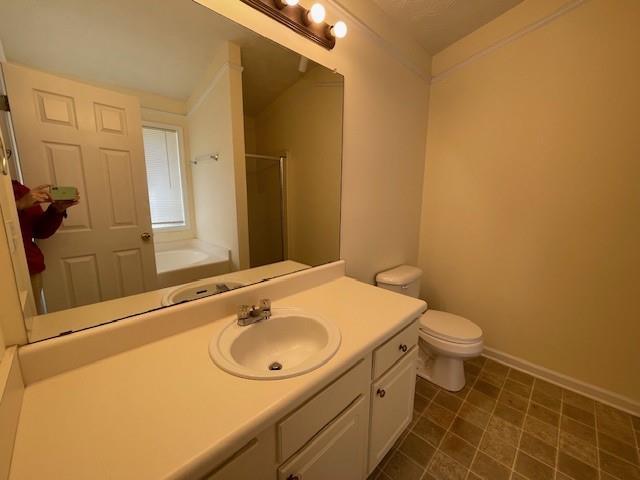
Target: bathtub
185,261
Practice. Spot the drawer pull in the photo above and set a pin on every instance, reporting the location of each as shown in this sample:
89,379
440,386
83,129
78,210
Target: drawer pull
293,477
381,393
403,347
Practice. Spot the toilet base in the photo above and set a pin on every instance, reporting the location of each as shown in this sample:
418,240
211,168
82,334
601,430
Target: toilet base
446,372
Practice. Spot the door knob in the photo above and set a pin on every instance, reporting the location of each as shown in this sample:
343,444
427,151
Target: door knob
293,477
146,236
381,393
403,347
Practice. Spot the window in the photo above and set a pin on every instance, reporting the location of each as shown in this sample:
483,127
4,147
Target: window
164,179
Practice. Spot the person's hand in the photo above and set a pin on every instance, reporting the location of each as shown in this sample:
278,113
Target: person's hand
38,195
62,205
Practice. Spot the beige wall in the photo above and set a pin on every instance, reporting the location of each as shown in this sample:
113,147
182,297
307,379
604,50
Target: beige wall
385,105
305,121
215,124
530,222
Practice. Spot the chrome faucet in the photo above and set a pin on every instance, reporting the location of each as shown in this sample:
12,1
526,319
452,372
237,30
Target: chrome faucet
248,315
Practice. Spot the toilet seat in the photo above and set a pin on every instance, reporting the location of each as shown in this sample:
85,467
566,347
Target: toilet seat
449,327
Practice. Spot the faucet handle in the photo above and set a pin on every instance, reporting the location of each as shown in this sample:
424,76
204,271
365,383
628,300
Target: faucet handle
244,312
265,304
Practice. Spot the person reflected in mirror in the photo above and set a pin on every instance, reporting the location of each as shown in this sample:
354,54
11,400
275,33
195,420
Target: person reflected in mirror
37,223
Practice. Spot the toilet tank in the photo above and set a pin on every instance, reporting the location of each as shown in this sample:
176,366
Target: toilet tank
404,279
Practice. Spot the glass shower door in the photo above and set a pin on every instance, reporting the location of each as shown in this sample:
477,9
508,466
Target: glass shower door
266,209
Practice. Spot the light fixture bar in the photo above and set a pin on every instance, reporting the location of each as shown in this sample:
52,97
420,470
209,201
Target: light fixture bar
308,23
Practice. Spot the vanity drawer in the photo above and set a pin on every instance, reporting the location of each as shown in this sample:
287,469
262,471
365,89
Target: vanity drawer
391,351
298,428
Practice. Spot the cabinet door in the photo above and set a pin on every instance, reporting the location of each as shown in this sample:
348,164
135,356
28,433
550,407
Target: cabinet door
391,406
255,461
337,452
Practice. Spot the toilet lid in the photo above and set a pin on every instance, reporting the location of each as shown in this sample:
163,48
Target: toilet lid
450,327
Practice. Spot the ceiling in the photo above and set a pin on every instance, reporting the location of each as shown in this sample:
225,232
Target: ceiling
162,47
436,24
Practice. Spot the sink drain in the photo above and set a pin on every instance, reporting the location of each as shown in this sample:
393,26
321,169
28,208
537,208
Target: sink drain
275,366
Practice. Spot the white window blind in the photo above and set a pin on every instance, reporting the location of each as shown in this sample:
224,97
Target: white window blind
162,156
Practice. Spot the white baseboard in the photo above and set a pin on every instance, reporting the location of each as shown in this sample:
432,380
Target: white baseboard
600,394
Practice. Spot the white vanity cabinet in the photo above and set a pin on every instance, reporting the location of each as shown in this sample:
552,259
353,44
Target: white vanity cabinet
392,392
344,430
326,437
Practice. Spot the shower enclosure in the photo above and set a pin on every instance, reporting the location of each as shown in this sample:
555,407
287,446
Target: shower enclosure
266,203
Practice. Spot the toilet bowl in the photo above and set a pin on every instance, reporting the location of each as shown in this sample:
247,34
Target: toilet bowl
445,339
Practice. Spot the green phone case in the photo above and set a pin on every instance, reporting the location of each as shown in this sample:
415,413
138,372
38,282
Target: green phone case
59,194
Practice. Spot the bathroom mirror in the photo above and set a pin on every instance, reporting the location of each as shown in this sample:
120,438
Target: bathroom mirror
178,155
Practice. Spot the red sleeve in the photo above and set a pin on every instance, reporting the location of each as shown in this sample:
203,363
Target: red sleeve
19,190
42,225
47,224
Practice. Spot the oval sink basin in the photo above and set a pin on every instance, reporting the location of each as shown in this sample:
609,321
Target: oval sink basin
193,291
288,344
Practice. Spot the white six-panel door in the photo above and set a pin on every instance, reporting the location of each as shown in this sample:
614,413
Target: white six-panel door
73,134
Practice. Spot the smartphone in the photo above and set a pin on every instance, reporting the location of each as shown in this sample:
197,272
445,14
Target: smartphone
60,194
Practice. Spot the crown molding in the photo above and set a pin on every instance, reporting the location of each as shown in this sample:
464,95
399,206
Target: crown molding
509,39
224,68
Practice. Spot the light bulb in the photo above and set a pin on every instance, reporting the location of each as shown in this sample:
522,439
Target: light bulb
339,30
317,13
286,3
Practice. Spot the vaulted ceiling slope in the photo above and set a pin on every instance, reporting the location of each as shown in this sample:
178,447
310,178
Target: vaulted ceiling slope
160,47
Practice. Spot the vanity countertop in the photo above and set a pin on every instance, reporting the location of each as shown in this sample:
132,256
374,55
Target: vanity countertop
157,410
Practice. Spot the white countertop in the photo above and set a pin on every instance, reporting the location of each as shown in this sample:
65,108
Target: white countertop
154,410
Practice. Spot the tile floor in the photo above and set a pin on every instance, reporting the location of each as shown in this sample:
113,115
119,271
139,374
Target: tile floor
507,425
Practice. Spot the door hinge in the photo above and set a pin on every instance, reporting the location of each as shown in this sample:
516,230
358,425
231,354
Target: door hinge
4,104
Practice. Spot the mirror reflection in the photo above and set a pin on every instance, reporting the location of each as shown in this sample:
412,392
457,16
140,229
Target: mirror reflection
161,161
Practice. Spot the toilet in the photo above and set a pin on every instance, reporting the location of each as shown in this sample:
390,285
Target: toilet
445,339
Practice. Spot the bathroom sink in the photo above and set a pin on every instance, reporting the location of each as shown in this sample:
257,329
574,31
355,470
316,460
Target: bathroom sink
193,291
288,344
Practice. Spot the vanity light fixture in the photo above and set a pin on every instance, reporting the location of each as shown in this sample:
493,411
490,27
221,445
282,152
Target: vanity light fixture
309,23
